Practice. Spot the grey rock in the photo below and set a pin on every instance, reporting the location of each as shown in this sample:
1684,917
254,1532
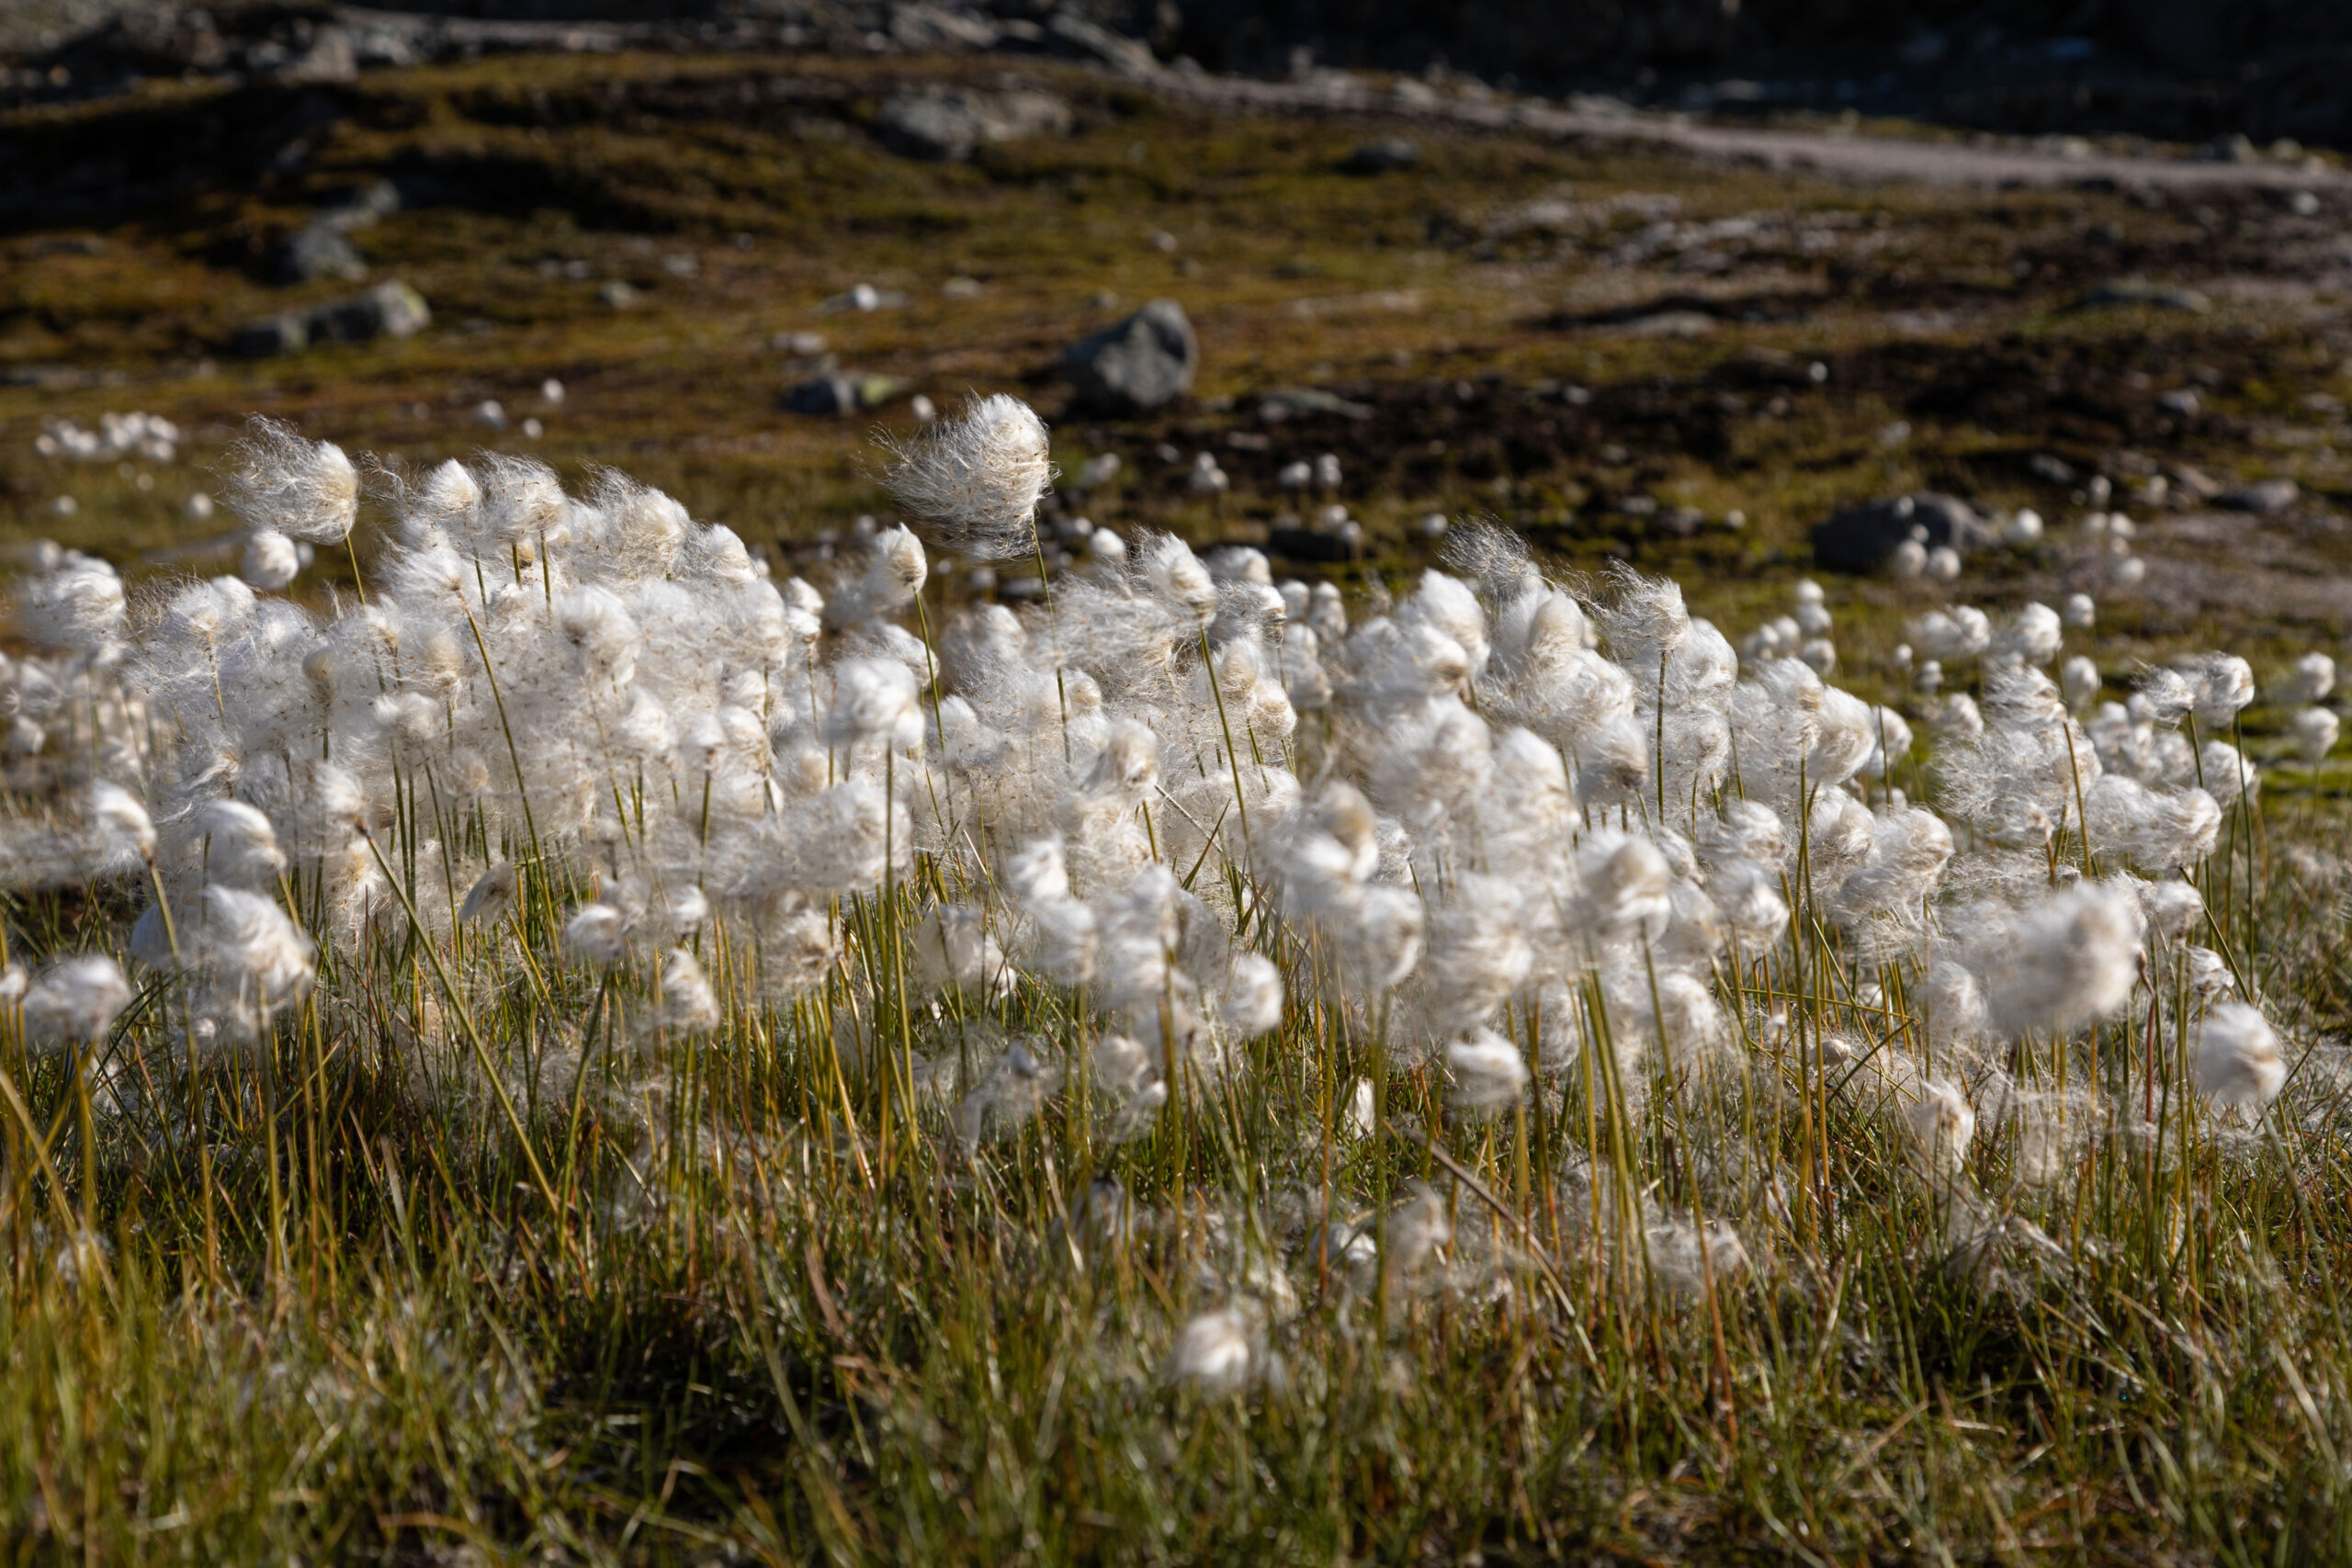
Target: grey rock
318,250
1144,362
2263,497
950,124
1384,156
842,393
1861,539
1291,402
1067,32
369,204
922,29
2140,292
287,332
822,395
388,309
1345,543
328,53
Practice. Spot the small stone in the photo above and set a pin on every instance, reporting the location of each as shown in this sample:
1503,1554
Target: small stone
615,294
2140,292
2263,497
1291,402
289,331
388,309
861,298
551,392
369,204
316,251
841,394
820,396
1387,155
1297,543
1144,362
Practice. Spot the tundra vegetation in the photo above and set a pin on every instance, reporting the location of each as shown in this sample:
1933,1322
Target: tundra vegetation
542,1026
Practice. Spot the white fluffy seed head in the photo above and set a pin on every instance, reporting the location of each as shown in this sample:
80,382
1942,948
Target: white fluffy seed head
2068,961
1172,570
125,832
688,1006
1488,1073
304,490
2315,733
234,843
1942,1124
75,604
1213,1354
2239,1062
596,935
874,699
1252,1000
2079,679
2311,677
2224,684
75,1001
270,560
2035,636
977,477
489,897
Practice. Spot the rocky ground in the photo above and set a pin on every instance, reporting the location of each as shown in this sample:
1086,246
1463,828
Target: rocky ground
1636,336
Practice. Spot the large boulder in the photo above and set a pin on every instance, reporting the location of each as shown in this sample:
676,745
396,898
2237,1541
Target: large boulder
951,123
1143,363
1861,539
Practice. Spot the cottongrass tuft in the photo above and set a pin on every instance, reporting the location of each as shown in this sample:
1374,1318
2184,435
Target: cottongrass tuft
977,477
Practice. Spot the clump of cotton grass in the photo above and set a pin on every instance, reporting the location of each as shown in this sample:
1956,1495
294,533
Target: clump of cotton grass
1194,843
977,477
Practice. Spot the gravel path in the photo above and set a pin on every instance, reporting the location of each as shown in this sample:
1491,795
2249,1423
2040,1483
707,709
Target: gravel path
1847,155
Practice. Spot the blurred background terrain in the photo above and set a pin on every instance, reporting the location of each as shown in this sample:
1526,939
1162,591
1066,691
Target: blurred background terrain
1671,284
